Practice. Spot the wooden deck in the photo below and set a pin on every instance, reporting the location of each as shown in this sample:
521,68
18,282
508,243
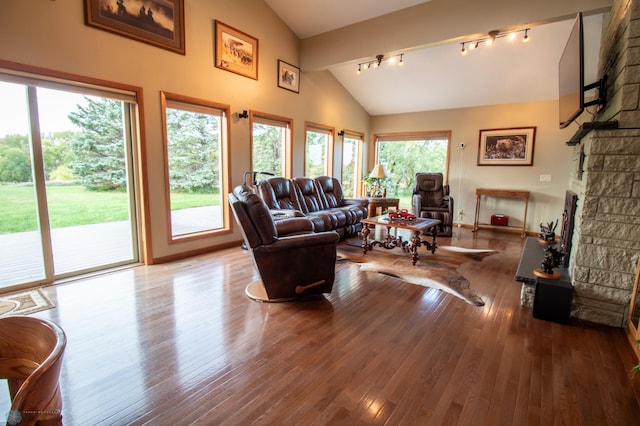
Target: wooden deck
180,343
87,247
75,248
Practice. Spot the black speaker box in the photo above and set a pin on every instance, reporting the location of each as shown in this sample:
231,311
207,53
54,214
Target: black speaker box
552,301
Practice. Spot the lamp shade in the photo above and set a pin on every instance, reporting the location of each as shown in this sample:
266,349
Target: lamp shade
378,172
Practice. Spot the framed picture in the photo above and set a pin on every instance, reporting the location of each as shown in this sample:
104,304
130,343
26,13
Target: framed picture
156,22
288,76
236,51
506,147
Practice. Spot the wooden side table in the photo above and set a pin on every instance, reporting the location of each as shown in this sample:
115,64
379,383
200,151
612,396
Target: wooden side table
506,193
383,204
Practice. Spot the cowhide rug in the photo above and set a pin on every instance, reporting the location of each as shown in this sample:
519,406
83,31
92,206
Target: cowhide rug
438,270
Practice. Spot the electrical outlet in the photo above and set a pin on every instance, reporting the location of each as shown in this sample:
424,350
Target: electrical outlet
545,178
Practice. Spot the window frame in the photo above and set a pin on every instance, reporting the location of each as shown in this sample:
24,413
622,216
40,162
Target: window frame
331,133
358,171
198,105
276,120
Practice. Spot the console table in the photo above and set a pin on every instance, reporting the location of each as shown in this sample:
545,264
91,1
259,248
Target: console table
383,204
504,193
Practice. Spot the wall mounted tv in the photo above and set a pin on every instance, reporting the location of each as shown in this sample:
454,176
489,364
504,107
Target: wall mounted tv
571,78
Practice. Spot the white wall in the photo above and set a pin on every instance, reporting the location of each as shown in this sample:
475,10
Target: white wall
551,157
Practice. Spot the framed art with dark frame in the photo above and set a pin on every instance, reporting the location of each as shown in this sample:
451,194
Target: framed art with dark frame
236,51
506,147
160,24
288,76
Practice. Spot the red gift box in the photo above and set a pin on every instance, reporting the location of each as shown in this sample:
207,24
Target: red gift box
499,220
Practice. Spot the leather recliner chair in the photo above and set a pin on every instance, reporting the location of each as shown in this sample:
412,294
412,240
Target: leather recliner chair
290,266
431,200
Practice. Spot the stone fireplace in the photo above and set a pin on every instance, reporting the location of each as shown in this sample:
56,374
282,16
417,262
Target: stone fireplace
606,179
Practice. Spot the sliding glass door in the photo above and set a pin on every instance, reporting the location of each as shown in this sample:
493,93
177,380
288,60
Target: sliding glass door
66,190
21,245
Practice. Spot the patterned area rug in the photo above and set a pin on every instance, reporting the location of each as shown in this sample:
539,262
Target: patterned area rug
24,302
439,270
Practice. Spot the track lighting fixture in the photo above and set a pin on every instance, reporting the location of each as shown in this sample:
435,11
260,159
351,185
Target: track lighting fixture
491,37
375,63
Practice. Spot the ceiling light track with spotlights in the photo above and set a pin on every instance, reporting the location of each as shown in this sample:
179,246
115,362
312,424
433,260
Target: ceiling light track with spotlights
375,63
490,38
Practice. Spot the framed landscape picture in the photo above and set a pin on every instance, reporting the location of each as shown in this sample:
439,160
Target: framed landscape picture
506,147
156,22
288,76
235,51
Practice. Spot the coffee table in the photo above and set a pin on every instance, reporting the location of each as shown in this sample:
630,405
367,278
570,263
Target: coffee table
392,240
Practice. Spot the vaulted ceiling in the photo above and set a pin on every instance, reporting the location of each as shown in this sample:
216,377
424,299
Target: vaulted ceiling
337,35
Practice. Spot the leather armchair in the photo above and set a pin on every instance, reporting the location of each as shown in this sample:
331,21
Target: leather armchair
290,266
431,200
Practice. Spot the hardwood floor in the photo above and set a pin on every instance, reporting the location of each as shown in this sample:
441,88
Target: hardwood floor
180,343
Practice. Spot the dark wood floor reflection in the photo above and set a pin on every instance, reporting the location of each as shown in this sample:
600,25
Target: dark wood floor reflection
180,344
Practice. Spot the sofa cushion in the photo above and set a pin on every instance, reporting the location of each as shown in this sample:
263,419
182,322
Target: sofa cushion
311,199
279,194
331,190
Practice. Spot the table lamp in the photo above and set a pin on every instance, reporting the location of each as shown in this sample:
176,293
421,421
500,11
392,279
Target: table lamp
378,173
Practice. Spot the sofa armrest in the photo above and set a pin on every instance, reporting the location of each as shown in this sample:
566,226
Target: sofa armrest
449,200
293,242
293,225
416,203
362,202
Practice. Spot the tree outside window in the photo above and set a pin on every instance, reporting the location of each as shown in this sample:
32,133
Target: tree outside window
195,141
270,144
317,153
350,164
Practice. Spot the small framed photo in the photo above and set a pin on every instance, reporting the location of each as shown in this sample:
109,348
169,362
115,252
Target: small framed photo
506,147
288,76
236,51
159,23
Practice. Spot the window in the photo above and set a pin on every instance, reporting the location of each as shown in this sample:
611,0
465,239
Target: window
271,144
405,154
351,163
196,157
318,150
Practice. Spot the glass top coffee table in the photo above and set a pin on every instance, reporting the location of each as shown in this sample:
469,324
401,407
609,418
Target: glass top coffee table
392,240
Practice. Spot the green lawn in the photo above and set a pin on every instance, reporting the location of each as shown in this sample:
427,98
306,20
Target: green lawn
71,205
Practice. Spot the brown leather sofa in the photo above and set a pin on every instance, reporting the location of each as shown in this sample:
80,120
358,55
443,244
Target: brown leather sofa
320,199
300,263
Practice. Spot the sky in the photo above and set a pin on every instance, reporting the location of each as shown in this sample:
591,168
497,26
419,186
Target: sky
54,107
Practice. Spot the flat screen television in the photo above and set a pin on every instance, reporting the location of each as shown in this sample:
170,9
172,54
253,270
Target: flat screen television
571,76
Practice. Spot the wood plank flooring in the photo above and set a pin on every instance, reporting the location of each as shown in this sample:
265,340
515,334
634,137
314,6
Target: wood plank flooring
180,343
